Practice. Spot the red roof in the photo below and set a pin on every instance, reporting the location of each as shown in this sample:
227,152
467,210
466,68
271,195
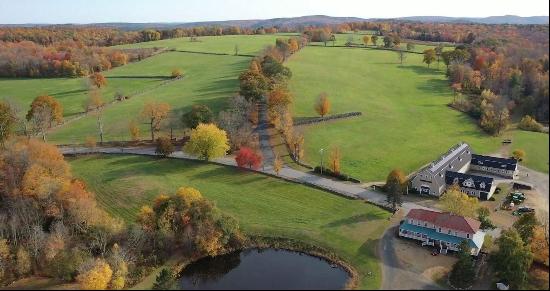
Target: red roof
446,220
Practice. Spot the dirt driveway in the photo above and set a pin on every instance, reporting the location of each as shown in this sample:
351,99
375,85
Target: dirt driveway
406,265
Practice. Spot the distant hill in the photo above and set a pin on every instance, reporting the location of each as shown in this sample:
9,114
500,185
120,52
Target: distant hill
316,20
506,19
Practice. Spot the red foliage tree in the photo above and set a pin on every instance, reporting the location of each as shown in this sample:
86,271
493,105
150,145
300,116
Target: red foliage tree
246,157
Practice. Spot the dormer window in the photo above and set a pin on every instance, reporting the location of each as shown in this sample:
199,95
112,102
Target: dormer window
467,235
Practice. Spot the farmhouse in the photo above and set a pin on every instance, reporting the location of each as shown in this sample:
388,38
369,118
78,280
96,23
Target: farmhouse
473,185
499,166
452,168
442,230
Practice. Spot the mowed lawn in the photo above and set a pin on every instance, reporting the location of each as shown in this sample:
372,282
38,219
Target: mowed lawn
262,205
405,124
247,44
209,80
536,148
72,92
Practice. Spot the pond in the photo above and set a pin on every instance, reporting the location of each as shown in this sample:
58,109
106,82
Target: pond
262,269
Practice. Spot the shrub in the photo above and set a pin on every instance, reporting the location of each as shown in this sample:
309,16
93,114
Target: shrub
530,124
90,142
164,146
176,73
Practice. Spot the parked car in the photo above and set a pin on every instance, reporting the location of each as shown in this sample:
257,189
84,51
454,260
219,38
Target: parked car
523,210
507,141
517,197
497,190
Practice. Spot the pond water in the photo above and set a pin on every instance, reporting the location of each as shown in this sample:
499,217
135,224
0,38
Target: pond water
262,269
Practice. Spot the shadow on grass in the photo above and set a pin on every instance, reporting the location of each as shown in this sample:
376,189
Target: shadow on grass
139,77
422,70
63,93
356,219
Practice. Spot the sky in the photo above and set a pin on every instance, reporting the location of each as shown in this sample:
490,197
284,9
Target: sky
93,11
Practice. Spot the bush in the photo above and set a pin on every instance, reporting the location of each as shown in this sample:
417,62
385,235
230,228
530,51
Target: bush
530,124
90,142
164,146
176,73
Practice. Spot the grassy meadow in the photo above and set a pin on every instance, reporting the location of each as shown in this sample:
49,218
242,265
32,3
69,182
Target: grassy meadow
536,147
405,121
262,205
247,44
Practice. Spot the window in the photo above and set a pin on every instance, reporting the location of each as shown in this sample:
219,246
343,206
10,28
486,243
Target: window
467,235
449,232
439,230
425,224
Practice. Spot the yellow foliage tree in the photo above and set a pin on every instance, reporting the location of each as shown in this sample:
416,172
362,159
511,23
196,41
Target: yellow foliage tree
95,275
207,141
459,203
188,195
334,159
146,218
322,106
277,164
539,244
366,39
134,130
519,154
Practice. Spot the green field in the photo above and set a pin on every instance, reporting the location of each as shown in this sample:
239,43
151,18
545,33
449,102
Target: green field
535,145
405,121
247,44
262,205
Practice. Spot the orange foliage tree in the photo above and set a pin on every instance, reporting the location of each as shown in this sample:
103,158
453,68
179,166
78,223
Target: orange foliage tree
322,106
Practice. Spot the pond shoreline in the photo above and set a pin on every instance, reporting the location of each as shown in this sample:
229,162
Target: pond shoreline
263,243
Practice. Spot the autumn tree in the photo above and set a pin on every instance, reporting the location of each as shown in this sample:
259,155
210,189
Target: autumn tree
198,114
96,105
459,203
529,123
518,154
277,164
253,85
176,73
495,116
512,260
98,80
429,56
322,106
155,113
164,280
247,157
94,275
7,121
540,244
45,110
23,262
525,226
395,187
334,160
207,141
366,40
374,40
134,130
164,146
463,272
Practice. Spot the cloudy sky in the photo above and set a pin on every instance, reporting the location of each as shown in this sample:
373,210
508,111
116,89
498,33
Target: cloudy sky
84,11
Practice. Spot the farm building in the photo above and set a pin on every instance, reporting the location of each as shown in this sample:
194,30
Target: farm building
473,185
498,166
442,230
452,168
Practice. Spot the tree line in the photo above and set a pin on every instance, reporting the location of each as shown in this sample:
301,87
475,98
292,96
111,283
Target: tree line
51,225
66,59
